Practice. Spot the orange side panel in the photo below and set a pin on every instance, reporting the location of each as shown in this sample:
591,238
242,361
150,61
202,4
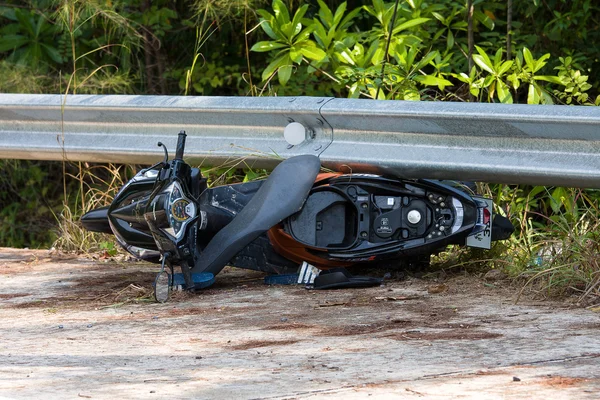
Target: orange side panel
291,249
326,175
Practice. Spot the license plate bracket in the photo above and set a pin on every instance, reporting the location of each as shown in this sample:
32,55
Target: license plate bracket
483,238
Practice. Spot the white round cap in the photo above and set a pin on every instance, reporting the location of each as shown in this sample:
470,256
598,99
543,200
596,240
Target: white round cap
294,133
414,216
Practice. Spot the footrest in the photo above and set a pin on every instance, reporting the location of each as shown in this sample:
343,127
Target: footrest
340,278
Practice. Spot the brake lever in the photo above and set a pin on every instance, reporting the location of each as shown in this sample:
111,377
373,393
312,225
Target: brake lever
162,163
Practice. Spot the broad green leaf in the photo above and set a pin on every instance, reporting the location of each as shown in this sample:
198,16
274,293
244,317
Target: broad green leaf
12,42
358,51
371,11
10,29
492,90
345,56
532,96
505,67
438,34
267,46
481,61
450,40
284,74
298,17
312,52
354,91
26,21
344,71
281,12
490,79
267,16
485,60
40,25
251,175
484,19
378,56
426,59
8,13
371,52
498,58
410,57
431,80
410,23
536,190
439,17
339,14
36,51
559,197
289,31
266,26
461,25
411,95
552,79
272,67
540,62
512,78
295,54
503,93
325,14
545,97
528,58
53,53
379,7
348,18
302,36
473,73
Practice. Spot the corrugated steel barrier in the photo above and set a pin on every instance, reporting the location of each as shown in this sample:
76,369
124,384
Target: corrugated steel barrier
551,145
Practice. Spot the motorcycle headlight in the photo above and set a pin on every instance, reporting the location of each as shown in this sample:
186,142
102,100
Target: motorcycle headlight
172,210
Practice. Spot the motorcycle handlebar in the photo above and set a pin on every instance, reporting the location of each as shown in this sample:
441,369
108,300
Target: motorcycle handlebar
180,145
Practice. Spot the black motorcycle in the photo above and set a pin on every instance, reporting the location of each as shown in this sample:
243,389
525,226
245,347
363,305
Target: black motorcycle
298,224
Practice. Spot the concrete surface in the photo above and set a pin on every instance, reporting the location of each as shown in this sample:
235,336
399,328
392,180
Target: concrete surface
82,328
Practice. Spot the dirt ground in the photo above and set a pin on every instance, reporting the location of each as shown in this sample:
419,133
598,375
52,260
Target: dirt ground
82,328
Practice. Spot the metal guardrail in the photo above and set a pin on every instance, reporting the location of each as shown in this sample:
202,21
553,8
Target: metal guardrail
551,145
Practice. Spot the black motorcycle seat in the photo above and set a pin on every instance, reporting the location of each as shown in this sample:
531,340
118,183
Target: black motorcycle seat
282,195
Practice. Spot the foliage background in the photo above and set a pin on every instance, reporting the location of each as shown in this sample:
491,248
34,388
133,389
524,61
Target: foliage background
529,51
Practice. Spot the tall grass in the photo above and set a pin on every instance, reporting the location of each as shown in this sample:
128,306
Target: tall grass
566,249
96,187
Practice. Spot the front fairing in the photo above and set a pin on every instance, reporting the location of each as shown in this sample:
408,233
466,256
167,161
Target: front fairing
126,214
173,216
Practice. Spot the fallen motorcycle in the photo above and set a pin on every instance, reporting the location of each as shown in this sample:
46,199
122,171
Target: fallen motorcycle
297,222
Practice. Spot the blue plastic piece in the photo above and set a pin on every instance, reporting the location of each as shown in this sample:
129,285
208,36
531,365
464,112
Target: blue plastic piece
201,280
284,279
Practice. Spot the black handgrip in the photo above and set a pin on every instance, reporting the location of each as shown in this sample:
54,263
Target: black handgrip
180,145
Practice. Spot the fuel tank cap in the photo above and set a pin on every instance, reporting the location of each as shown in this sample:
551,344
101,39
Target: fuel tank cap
414,216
